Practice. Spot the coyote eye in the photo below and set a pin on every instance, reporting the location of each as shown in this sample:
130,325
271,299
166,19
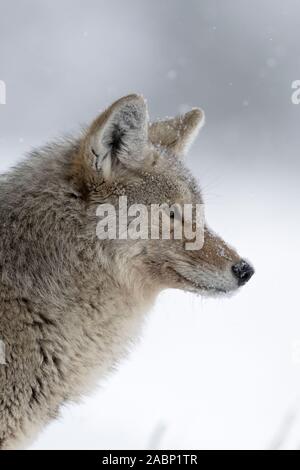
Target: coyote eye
175,213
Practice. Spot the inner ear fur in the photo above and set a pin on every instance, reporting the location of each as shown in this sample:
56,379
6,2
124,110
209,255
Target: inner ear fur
118,136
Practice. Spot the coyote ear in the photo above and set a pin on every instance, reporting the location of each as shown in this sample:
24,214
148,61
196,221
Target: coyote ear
177,133
119,135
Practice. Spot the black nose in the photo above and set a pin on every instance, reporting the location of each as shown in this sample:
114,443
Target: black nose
243,271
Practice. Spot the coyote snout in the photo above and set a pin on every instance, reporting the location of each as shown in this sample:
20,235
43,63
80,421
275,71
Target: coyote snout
72,302
215,269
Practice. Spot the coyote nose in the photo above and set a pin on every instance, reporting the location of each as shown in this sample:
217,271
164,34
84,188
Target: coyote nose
242,271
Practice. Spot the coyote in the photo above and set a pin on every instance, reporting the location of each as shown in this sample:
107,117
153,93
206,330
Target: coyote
70,303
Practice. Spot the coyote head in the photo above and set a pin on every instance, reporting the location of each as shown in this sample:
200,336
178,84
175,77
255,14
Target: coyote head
122,154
